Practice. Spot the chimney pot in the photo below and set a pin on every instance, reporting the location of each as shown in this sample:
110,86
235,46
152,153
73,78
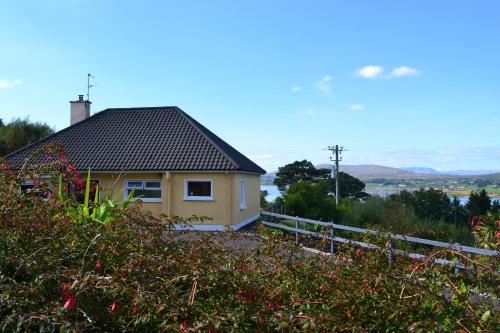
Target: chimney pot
80,110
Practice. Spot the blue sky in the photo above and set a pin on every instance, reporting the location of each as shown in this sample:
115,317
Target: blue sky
398,83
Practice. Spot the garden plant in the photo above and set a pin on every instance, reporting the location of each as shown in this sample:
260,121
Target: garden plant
128,272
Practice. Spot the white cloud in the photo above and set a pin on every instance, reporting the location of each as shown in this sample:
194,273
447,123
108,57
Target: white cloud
370,72
306,112
404,71
9,84
357,106
325,86
296,89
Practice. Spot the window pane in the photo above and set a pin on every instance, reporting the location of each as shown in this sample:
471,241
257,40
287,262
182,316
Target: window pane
134,184
147,194
199,189
243,195
153,184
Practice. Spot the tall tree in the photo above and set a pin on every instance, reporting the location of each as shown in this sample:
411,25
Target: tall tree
298,171
19,133
350,187
479,203
310,200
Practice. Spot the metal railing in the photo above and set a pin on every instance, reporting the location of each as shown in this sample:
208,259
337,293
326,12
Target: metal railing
331,237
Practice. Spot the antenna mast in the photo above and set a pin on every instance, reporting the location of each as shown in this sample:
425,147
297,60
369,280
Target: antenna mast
89,85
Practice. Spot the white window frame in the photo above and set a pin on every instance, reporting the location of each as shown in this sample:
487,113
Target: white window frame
243,194
198,198
143,181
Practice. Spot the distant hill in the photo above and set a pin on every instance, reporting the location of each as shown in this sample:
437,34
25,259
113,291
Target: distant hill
421,170
452,172
372,171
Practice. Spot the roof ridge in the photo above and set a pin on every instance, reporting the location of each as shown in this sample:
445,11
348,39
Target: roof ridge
197,126
47,138
145,107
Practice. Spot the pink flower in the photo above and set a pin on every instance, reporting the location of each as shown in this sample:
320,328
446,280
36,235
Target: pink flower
98,266
498,234
70,301
114,307
183,326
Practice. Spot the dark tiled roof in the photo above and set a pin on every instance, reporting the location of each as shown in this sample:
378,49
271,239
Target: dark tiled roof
143,139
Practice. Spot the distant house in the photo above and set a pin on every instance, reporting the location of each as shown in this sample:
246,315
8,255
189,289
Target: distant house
176,165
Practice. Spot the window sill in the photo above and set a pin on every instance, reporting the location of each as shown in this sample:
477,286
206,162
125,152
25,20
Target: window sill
198,198
147,200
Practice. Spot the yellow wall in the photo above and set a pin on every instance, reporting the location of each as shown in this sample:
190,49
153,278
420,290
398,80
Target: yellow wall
114,184
252,197
224,209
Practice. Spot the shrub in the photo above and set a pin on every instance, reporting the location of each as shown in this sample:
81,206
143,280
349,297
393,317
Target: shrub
131,275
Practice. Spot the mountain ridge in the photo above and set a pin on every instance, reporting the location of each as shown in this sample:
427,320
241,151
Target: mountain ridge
375,171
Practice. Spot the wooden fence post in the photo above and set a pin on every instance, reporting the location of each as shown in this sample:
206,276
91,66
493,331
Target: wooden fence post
296,231
388,246
332,248
456,262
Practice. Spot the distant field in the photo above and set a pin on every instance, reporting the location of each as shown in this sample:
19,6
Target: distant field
377,189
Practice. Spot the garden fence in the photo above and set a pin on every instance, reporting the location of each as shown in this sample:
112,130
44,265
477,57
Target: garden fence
330,235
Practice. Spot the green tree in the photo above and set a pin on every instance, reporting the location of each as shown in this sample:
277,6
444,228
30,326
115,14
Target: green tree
310,200
350,187
495,206
298,171
434,205
458,213
19,133
479,203
431,203
263,201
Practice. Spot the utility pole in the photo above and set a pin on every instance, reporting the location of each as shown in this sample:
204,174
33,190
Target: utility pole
336,150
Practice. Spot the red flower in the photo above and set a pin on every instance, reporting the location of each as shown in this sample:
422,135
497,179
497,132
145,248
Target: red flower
498,234
98,266
211,330
240,294
79,185
250,297
135,308
6,166
20,205
114,307
183,326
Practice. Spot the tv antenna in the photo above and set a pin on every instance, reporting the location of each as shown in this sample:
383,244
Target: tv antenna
89,76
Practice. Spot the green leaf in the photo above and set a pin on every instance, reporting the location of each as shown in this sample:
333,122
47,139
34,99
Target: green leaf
87,194
486,316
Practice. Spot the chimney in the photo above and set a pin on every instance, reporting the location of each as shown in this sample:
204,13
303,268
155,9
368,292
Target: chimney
80,110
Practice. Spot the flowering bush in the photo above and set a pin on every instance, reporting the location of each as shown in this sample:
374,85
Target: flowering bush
129,274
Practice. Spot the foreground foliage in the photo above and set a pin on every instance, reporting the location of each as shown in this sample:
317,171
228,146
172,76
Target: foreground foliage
130,274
